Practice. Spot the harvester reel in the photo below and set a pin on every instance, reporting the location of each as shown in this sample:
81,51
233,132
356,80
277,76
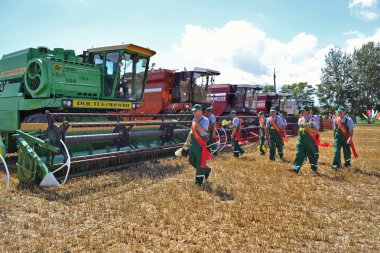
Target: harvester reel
216,143
55,135
34,76
222,135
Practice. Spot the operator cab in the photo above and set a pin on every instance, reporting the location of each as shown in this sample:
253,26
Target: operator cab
193,86
244,97
124,69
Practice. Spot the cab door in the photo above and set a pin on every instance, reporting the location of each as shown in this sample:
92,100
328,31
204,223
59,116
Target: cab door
111,68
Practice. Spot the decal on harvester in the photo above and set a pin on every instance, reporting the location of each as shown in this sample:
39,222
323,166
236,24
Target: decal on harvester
96,104
13,72
57,68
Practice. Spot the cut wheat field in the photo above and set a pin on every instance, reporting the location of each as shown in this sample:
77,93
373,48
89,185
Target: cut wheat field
250,205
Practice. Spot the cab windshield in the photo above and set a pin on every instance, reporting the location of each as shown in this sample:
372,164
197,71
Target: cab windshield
201,84
124,75
132,77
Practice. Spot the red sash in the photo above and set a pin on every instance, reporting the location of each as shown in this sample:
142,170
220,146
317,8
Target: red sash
285,136
346,134
237,133
262,123
206,155
315,137
278,130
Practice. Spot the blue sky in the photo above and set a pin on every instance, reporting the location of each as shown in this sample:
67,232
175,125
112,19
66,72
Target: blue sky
245,40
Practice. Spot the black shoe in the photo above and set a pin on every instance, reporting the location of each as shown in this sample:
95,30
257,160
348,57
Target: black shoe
294,171
347,165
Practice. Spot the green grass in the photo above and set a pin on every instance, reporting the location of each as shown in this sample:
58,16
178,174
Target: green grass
364,122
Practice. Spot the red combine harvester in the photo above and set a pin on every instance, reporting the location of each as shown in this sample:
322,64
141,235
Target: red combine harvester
170,92
241,98
294,105
265,101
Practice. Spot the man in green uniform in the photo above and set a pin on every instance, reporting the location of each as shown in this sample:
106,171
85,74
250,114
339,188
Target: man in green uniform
274,132
262,132
196,140
308,129
211,143
235,135
343,133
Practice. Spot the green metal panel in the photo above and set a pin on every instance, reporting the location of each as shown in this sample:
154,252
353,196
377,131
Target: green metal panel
38,103
9,120
14,61
11,90
77,80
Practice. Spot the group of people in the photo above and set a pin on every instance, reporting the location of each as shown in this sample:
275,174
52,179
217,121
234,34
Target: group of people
273,134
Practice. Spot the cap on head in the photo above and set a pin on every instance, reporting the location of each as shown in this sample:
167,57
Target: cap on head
340,109
261,113
208,109
305,108
232,112
196,107
273,109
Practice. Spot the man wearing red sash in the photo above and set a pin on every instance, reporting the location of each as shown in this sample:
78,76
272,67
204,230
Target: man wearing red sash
285,124
307,143
343,132
211,143
262,132
274,130
235,135
196,140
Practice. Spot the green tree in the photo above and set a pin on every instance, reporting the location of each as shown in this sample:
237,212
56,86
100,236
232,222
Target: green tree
332,92
365,71
268,88
352,81
301,90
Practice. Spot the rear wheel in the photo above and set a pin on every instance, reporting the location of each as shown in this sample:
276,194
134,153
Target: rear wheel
36,118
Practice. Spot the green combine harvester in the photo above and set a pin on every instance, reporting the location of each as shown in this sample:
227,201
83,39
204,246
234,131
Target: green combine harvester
59,112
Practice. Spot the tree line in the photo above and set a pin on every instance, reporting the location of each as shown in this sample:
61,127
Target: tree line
351,80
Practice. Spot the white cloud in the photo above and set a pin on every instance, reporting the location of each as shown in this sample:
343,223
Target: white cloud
358,39
361,3
364,9
245,54
368,15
